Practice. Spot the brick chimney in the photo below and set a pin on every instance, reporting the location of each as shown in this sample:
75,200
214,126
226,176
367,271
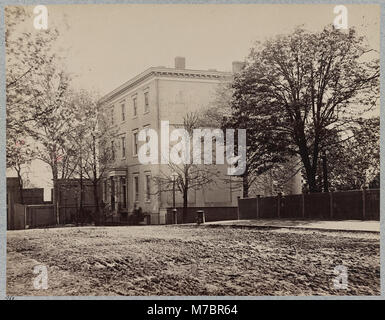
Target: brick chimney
180,63
238,66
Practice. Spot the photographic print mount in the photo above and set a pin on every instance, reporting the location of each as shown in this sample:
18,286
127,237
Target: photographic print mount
265,183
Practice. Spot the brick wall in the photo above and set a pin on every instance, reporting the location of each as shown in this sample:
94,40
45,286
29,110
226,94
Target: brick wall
33,196
211,214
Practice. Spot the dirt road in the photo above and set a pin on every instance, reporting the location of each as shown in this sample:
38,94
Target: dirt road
190,260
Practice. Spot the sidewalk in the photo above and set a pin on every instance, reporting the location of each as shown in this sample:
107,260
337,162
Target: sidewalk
340,225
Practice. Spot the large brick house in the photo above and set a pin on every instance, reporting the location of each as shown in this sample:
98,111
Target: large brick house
157,94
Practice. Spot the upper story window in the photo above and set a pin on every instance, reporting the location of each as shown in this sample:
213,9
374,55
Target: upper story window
135,142
112,150
135,106
147,128
123,141
112,115
146,102
123,109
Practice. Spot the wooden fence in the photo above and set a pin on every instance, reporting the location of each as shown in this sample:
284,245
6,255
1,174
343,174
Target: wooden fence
31,216
341,205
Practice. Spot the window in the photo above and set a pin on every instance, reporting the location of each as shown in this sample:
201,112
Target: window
146,102
112,150
124,192
123,147
123,112
148,149
112,115
135,142
148,187
136,188
112,193
135,105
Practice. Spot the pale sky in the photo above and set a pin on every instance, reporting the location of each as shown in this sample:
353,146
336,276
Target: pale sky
106,45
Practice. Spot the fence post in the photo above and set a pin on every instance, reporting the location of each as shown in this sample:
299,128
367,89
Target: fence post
25,217
279,204
258,198
174,216
363,203
303,205
331,204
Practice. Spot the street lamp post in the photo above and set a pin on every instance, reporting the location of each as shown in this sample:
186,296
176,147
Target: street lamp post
174,211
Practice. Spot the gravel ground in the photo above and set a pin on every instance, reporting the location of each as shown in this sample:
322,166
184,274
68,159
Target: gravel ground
191,260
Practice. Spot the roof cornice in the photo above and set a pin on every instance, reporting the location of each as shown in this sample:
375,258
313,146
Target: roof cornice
164,72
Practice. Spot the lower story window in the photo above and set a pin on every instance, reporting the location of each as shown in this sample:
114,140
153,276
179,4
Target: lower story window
136,188
124,192
148,187
105,191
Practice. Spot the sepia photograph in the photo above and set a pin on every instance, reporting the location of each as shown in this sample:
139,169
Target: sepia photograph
192,150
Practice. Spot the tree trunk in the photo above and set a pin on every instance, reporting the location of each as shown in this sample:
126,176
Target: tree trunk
18,170
185,201
245,186
311,180
310,171
325,173
55,195
81,192
245,183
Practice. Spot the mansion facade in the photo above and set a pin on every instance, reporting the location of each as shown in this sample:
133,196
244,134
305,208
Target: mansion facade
158,94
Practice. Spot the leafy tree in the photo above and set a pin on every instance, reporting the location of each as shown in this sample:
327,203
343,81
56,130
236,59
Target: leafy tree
265,174
27,56
355,159
36,96
298,86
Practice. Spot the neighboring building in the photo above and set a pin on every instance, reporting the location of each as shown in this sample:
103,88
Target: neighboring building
69,198
31,196
33,211
13,197
143,102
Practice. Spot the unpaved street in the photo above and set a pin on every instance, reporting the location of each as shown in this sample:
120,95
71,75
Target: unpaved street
191,260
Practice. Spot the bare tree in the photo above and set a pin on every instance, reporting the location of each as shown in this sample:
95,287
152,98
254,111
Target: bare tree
92,138
189,176
52,130
20,153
